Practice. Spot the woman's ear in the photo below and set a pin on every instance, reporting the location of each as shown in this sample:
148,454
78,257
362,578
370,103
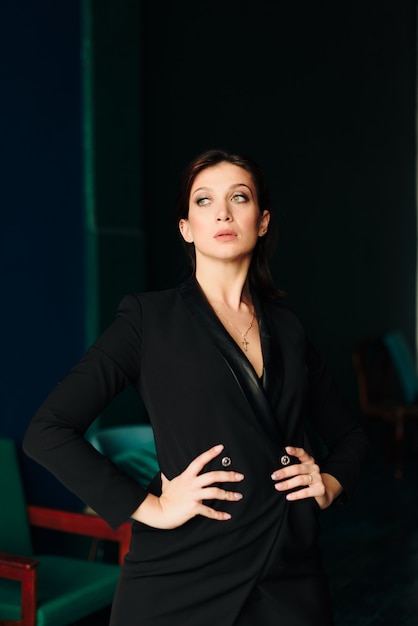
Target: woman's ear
185,230
264,223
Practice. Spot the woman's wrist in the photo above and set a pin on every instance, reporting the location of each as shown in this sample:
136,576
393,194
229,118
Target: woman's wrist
333,489
148,511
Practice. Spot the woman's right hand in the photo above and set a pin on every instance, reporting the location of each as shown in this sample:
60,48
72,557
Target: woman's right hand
182,497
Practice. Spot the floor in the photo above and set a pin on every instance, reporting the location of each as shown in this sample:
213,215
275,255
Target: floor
371,547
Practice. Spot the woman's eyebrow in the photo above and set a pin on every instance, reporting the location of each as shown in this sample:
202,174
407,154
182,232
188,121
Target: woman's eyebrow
202,189
234,186
242,185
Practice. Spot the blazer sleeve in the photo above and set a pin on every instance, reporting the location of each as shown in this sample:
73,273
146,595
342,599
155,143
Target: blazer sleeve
340,430
54,437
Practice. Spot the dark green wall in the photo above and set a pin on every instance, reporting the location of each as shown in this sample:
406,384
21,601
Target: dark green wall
113,166
115,134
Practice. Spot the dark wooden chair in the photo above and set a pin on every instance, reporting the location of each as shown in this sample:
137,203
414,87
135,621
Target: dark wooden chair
53,590
381,388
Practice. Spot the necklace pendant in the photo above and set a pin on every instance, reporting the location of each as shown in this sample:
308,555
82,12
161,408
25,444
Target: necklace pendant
245,343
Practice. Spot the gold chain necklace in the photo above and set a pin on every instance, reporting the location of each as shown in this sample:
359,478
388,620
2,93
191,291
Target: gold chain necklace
245,343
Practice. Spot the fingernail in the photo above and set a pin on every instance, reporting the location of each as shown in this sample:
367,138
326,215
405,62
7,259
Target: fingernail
275,476
238,496
290,449
218,448
239,476
226,516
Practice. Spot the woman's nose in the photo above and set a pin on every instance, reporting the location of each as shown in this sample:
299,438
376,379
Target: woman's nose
224,214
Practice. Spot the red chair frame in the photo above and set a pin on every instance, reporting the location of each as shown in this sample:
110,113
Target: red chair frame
24,569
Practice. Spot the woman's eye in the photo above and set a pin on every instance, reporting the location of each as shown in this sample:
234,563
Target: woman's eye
202,201
239,197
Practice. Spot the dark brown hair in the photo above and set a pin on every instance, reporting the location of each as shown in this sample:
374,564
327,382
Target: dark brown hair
259,273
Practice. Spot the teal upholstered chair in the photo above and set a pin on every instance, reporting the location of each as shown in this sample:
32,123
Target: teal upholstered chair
48,590
388,385
131,448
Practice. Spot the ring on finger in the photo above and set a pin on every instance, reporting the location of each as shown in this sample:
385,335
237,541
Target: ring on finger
310,479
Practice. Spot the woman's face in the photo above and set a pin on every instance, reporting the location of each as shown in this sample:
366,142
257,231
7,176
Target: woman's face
224,220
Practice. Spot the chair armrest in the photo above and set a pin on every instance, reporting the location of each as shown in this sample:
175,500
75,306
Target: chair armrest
16,567
81,524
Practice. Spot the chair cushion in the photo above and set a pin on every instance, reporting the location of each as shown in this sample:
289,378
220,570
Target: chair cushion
68,590
115,439
142,465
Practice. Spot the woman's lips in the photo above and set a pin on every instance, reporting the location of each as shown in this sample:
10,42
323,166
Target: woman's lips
225,235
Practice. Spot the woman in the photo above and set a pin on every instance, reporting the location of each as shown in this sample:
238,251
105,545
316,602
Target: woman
227,533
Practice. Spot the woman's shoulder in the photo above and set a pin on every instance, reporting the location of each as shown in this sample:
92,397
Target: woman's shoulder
285,325
133,310
137,303
279,310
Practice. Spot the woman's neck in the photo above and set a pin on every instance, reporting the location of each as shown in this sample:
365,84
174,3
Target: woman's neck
227,286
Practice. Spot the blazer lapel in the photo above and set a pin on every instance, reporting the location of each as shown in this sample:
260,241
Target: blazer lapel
272,357
241,368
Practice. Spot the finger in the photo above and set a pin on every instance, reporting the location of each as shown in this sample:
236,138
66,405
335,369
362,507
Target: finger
299,453
196,466
207,511
315,490
302,480
315,472
217,493
218,476
294,470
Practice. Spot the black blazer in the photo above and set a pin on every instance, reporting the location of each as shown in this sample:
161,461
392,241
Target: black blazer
199,390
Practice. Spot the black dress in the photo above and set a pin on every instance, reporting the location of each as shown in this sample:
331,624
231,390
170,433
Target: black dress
261,567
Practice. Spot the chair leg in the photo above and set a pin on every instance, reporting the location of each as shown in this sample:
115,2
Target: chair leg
27,575
93,549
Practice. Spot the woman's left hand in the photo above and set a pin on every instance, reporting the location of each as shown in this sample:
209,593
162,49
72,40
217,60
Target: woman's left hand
323,487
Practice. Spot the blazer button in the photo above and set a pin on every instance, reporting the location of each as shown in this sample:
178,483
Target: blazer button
226,461
285,460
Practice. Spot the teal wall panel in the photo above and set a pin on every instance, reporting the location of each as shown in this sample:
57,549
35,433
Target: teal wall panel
113,169
112,111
